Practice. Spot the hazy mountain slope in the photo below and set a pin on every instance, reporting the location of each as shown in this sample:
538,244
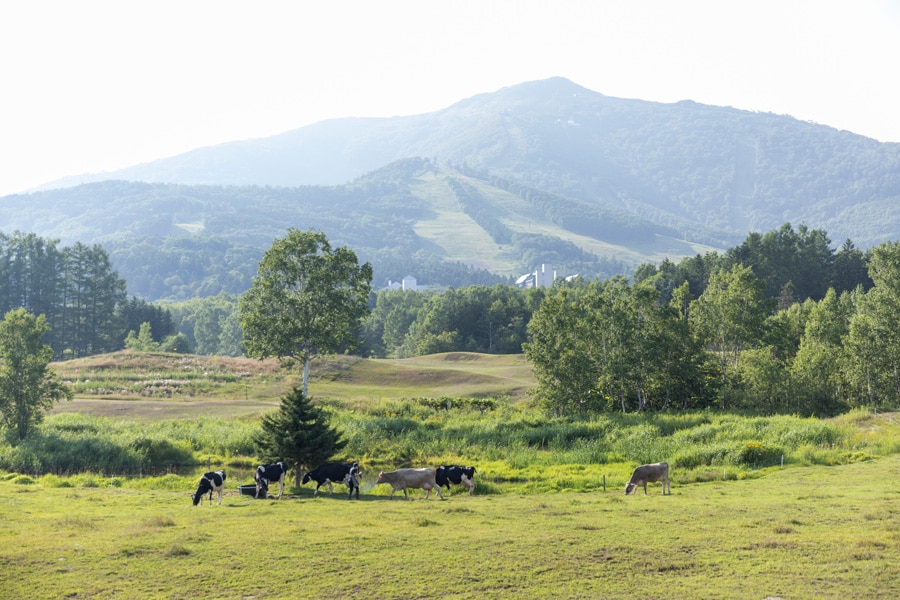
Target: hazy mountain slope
541,172
410,217
682,165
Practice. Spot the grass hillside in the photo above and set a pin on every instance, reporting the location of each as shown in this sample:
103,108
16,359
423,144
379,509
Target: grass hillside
156,385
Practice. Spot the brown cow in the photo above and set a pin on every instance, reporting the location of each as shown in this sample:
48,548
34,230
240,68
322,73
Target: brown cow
645,474
410,478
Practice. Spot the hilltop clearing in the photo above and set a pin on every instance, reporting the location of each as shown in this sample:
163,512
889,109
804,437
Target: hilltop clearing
157,385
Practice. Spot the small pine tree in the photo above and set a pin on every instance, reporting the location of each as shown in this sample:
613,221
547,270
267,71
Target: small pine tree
298,434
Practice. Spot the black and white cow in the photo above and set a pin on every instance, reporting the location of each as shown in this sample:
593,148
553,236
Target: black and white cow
457,475
327,474
214,481
266,474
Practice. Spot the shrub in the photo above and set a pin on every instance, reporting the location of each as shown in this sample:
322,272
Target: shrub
754,454
691,457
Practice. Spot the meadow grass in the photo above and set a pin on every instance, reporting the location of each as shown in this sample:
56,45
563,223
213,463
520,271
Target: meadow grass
123,383
805,532
548,519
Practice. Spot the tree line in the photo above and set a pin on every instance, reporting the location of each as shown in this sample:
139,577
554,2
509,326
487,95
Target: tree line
614,345
79,294
711,330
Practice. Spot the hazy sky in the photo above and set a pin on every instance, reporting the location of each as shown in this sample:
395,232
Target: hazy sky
90,86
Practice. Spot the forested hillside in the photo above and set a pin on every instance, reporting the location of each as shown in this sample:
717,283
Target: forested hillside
412,217
712,174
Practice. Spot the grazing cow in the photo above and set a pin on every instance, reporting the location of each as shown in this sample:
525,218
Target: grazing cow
327,474
456,475
266,474
214,481
645,474
352,480
410,478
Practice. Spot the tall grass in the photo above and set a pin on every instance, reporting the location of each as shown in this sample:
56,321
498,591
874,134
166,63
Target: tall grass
72,443
512,446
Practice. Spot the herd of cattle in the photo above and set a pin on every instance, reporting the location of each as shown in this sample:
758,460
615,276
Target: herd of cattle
426,478
402,479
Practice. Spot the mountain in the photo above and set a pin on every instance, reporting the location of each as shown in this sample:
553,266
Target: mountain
544,171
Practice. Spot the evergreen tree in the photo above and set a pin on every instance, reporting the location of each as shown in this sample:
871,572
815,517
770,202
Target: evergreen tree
298,434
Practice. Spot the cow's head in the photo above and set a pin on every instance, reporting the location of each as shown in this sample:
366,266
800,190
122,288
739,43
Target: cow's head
196,498
306,478
629,487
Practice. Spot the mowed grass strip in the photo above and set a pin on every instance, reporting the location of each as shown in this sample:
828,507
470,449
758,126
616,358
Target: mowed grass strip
817,532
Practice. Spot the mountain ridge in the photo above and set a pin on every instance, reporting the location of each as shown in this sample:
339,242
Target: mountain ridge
541,172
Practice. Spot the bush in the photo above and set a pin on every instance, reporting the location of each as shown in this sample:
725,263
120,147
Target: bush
153,451
754,454
691,457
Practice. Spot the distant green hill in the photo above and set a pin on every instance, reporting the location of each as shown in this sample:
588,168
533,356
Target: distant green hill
542,172
411,217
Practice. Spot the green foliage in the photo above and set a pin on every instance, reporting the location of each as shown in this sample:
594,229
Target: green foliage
143,342
27,386
210,325
75,289
448,403
70,443
601,346
298,434
307,299
135,312
476,318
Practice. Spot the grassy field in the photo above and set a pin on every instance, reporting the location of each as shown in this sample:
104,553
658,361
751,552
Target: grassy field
541,524
160,385
819,532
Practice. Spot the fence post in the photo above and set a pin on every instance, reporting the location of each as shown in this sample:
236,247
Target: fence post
782,461
604,483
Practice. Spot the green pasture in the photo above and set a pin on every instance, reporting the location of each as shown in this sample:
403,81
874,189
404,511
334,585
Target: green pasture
110,384
548,520
805,532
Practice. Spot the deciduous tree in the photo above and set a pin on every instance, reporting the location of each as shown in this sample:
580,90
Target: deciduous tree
27,386
306,299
